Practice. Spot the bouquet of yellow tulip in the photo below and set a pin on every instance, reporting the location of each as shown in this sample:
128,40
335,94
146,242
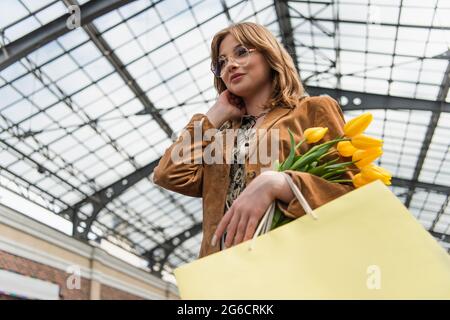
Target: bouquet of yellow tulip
362,148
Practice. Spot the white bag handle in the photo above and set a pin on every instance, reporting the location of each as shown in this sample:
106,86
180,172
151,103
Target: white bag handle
266,221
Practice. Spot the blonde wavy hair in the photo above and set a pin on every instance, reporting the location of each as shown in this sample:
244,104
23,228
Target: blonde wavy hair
287,88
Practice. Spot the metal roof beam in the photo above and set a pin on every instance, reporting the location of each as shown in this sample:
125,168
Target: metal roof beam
102,197
440,213
20,48
441,236
398,25
432,125
284,23
362,100
405,183
120,68
159,256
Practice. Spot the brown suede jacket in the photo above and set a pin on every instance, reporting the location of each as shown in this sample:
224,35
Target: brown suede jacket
210,181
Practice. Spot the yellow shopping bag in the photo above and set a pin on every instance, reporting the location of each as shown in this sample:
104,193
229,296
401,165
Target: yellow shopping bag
363,245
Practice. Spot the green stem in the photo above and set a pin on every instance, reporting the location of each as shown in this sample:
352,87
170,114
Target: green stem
299,144
324,155
340,180
336,173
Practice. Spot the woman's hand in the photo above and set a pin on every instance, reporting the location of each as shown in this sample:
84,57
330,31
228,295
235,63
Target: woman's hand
242,219
228,106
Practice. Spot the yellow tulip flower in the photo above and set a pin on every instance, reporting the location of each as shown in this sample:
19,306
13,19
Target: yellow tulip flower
358,125
346,148
358,180
362,141
372,172
312,135
364,157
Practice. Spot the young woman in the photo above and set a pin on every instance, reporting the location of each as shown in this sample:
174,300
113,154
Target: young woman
258,87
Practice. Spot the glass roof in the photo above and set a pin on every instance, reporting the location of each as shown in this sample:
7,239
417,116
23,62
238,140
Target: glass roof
72,124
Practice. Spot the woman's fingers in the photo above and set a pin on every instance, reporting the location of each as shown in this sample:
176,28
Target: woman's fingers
251,228
235,101
240,231
231,229
242,218
222,226
231,97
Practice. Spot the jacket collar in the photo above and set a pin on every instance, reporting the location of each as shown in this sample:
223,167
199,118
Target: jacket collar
270,118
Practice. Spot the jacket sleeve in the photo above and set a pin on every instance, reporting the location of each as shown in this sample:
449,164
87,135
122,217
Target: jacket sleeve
316,190
180,169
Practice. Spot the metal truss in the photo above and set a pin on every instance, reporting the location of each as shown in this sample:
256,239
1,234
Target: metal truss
51,31
436,113
121,70
287,34
101,198
158,257
360,100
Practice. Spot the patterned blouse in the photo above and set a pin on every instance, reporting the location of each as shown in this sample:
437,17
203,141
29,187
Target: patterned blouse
237,168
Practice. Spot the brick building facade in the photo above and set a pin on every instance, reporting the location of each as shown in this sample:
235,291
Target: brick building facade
34,256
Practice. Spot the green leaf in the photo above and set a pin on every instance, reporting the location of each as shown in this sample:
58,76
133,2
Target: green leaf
290,159
339,165
279,219
332,161
309,157
331,175
276,218
299,144
287,220
318,171
340,180
326,154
